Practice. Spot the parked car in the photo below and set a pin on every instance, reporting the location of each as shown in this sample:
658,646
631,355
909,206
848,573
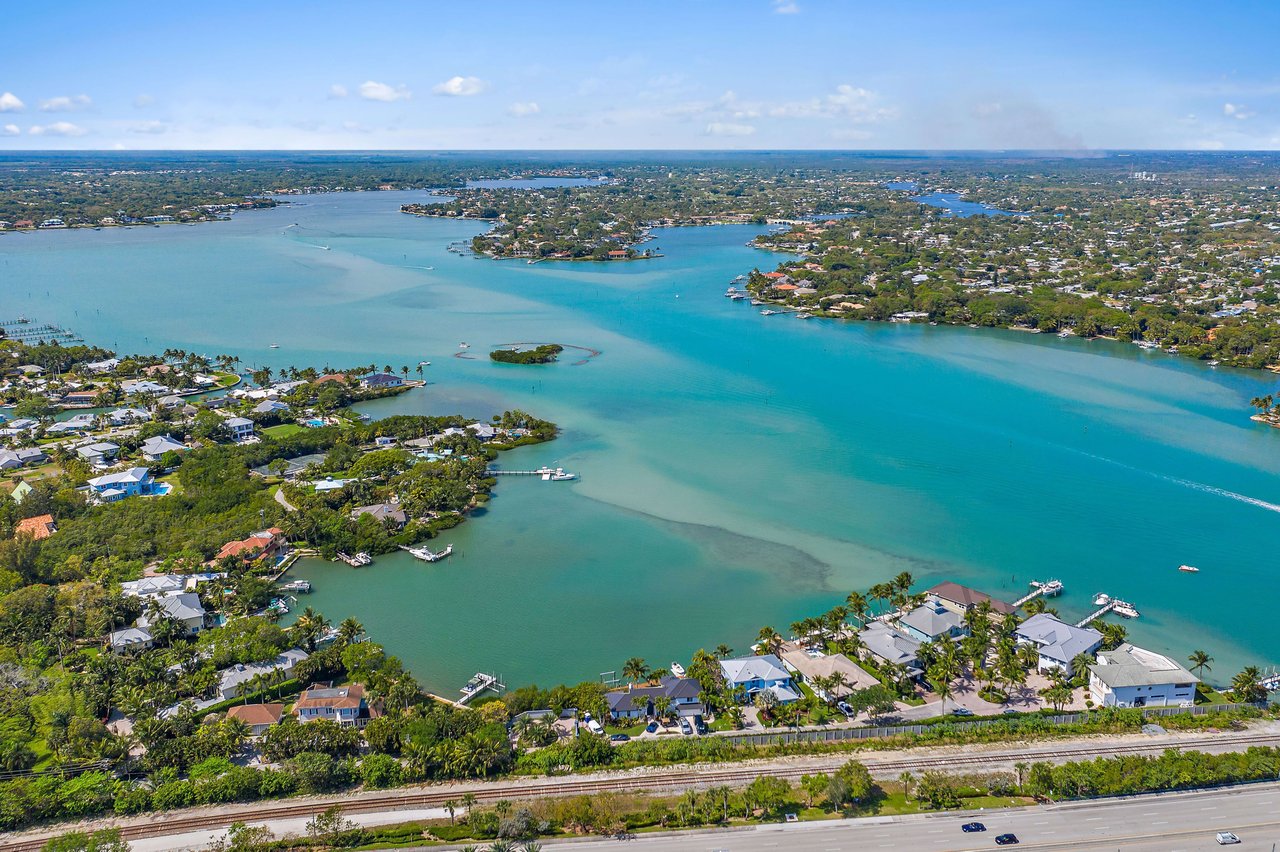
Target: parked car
970,827
651,727
1226,838
843,707
618,738
685,727
700,726
1006,839
962,711
592,725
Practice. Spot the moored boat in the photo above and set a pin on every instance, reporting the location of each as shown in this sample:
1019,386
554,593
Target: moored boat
677,669
1190,569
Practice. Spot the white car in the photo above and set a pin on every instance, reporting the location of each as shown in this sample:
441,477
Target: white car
1226,838
592,725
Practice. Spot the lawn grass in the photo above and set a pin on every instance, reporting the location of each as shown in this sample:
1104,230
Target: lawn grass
284,430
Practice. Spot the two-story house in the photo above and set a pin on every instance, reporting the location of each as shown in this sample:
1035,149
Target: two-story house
683,694
754,675
1131,676
345,705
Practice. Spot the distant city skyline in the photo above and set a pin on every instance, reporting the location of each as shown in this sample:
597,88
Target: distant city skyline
716,74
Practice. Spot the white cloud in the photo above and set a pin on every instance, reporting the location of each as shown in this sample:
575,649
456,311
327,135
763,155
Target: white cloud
851,102
460,87
1237,111
10,130
785,7
58,128
373,91
728,128
9,102
524,108
337,90
143,101
65,104
149,127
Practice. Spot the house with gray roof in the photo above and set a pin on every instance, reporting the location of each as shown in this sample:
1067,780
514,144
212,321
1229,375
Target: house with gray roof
932,620
234,680
382,512
160,584
1057,642
130,639
99,454
764,673
1131,676
891,646
684,695
155,447
184,607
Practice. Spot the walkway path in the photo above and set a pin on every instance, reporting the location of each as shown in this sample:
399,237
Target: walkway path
284,501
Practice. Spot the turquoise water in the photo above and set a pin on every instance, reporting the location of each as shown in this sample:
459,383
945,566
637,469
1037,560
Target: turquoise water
737,470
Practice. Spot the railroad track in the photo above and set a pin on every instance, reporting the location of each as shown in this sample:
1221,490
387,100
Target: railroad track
658,780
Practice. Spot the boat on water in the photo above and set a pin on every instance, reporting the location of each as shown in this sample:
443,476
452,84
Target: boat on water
464,345
677,669
804,315
562,475
1102,600
275,346
1190,569
757,302
426,554
303,586
1125,609
731,291
769,313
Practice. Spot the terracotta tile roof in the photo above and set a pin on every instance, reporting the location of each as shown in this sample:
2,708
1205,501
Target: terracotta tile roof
335,697
41,526
257,714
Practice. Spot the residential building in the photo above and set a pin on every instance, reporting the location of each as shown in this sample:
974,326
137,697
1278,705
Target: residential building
241,428
126,416
807,667
39,527
117,486
684,695
234,681
270,406
483,431
932,620
264,544
155,447
160,584
754,675
1131,676
130,639
382,512
1057,642
381,380
184,607
345,705
99,454
258,717
961,599
892,646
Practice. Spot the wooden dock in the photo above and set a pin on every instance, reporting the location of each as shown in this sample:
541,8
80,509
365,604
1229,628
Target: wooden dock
480,682
1049,588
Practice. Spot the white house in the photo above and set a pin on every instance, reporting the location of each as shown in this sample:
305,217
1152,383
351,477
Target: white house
130,639
154,448
160,584
241,428
182,606
1057,642
1131,676
233,681
99,454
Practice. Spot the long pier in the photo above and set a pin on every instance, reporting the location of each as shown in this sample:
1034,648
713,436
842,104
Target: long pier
556,474
1124,608
1049,588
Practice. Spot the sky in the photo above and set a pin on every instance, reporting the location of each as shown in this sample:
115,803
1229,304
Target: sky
665,74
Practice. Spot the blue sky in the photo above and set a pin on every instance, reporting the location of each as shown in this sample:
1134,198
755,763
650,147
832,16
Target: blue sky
684,74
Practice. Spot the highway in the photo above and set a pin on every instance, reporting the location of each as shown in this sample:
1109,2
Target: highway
1171,822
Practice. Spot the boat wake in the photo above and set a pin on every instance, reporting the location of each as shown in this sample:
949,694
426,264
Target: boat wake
1222,492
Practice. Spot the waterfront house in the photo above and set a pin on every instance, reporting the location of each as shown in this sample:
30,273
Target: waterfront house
105,366
270,406
754,675
241,428
184,607
39,527
382,512
264,544
257,717
637,702
160,584
117,486
1131,676
130,639
1057,642
155,447
892,646
807,667
345,705
100,454
236,680
378,381
127,416
932,620
146,386
961,599
483,431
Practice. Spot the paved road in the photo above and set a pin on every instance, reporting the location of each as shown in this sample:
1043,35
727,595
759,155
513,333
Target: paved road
1179,822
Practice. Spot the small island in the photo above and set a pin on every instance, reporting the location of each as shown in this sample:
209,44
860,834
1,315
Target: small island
543,354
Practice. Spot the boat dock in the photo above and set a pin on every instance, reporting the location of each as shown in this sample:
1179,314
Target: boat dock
1106,604
356,561
479,682
426,554
1270,682
548,474
1049,588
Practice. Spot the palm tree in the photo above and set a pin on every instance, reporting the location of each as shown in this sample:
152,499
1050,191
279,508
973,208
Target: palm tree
857,603
468,802
1200,661
1245,686
768,639
635,668
350,630
723,651
905,779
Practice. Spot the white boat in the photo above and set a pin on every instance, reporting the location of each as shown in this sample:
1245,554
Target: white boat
297,586
275,346
428,555
677,669
1190,569
804,315
1102,600
768,313
562,475
1125,609
464,345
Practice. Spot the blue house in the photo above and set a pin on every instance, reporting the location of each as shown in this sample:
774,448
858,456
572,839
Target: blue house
760,674
111,487
345,705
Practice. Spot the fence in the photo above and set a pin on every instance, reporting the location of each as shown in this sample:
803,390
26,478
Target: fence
843,734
